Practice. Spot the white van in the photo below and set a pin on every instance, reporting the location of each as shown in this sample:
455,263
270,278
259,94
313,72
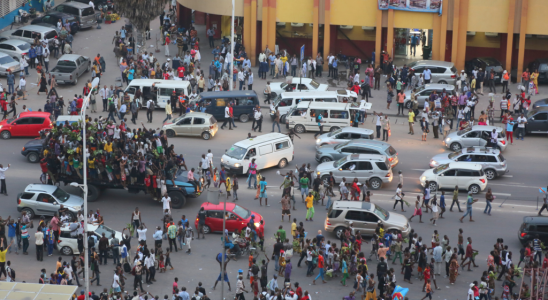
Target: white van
287,100
165,89
335,115
268,150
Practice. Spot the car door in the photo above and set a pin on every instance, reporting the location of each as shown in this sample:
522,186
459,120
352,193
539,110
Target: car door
199,126
266,158
463,178
17,34
345,151
341,137
28,36
37,125
358,218
184,127
214,220
471,138
363,171
46,204
447,179
234,222
9,49
345,171
21,127
370,223
423,96
538,122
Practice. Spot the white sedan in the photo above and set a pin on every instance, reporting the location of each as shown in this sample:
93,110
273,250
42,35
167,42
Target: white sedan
467,176
297,85
68,242
14,48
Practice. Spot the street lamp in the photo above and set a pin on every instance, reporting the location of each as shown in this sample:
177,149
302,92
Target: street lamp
84,186
231,63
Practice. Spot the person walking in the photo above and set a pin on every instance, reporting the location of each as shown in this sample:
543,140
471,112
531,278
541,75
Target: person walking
228,118
168,111
309,207
321,265
39,241
455,199
276,120
3,189
469,202
545,203
489,197
399,197
411,120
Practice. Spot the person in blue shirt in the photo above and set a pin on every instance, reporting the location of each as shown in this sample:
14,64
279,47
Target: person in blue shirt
262,193
319,118
414,40
272,60
12,236
32,57
442,203
335,65
50,240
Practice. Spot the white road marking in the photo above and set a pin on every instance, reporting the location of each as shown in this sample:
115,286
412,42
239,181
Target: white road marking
513,185
509,176
419,169
503,194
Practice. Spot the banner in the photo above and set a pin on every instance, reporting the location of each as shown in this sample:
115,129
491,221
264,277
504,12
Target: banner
431,6
399,293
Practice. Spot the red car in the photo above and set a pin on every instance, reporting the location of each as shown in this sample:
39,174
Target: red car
25,124
237,217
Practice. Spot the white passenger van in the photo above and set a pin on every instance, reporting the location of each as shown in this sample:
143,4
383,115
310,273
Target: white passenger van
334,115
163,93
287,100
268,150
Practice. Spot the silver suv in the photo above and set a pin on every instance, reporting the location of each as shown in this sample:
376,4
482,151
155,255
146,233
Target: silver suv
365,216
46,200
335,152
492,161
423,93
443,72
477,135
372,167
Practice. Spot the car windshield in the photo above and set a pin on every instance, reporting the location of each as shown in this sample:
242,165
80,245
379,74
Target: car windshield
11,120
24,46
340,162
465,130
283,86
441,168
242,212
278,99
6,60
532,113
339,146
411,65
88,12
178,119
454,154
381,213
236,152
66,63
391,151
104,229
61,195
314,84
420,88
332,133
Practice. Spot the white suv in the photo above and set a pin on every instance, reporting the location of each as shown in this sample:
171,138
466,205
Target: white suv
466,176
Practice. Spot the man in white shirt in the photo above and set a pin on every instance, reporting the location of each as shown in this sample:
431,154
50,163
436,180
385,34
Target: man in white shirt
330,58
521,128
166,200
3,179
228,116
23,86
142,232
258,116
209,156
149,264
103,93
427,74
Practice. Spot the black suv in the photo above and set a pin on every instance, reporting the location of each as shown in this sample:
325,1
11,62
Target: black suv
531,227
32,150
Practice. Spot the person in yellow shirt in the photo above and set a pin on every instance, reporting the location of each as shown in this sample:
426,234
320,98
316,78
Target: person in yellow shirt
108,148
294,228
228,186
91,166
411,115
309,207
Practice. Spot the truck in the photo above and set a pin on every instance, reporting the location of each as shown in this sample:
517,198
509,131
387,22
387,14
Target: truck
70,67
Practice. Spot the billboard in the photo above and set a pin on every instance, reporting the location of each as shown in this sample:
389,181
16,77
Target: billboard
431,6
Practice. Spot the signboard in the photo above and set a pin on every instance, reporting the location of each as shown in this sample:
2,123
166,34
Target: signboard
302,53
431,6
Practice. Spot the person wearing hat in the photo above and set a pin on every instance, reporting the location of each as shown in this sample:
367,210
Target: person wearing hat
469,202
510,130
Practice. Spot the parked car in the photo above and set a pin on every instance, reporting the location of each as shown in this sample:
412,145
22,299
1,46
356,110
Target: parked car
424,91
98,3
297,84
237,217
29,32
492,161
486,64
32,150
466,176
532,227
70,67
7,63
52,17
540,103
46,200
25,124
478,135
365,217
68,243
83,12
192,124
335,152
443,72
344,134
372,167
14,48
537,121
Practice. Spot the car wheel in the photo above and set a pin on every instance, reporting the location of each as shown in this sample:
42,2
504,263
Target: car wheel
282,119
29,211
474,188
490,174
456,147
408,104
5,135
339,231
66,250
75,81
178,200
206,135
244,118
33,157
71,217
93,193
334,128
300,129
375,183
273,96
442,82
170,133
282,164
207,229
325,159
433,186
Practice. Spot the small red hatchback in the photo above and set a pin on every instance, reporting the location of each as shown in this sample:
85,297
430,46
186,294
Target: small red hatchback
25,124
237,217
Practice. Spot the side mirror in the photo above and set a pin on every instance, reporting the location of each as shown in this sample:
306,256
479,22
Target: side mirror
340,169
442,175
55,203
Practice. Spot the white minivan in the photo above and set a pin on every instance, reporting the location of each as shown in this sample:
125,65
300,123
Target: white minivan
287,100
334,115
164,91
268,150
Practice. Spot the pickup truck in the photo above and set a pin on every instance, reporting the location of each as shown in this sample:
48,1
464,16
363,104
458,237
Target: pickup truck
70,67
32,150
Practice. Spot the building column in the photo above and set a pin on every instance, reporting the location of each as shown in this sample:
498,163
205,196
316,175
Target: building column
378,38
247,26
456,21
315,27
264,27
463,27
510,34
253,49
443,32
436,32
272,25
390,34
327,31
522,33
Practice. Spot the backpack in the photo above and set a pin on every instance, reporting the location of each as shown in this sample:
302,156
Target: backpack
255,269
127,267
91,242
12,273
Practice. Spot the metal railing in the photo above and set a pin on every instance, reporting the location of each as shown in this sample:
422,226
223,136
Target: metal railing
522,199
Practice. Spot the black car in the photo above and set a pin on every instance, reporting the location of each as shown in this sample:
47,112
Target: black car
541,65
33,149
52,17
537,120
533,227
540,103
486,64
98,3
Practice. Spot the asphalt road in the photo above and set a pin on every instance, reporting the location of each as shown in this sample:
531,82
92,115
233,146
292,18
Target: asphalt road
527,164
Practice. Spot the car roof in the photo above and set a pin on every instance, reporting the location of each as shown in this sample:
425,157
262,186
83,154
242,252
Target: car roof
198,114
38,188
322,105
159,82
486,128
439,86
38,28
375,157
220,206
464,165
437,63
228,94
369,143
34,114
490,61
76,4
269,137
2,54
70,57
14,42
535,219
480,150
354,129
353,205
59,14
326,94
